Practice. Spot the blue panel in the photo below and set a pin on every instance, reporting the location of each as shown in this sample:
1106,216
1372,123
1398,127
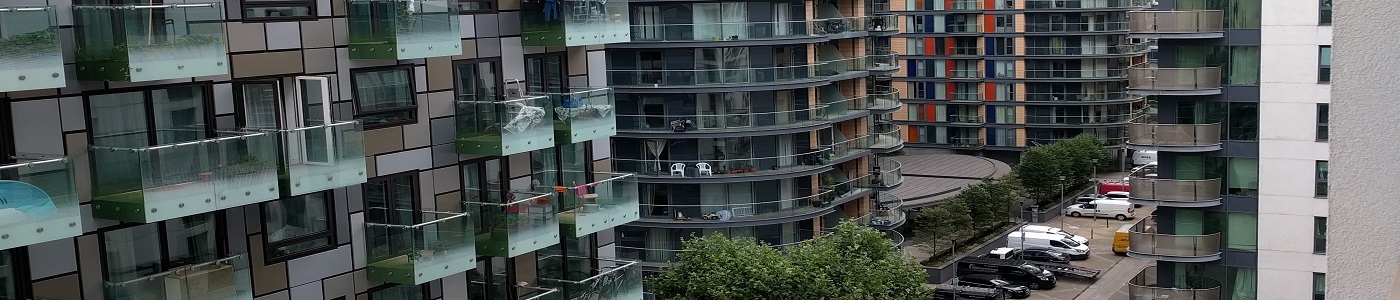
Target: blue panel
928,24
912,71
991,136
991,114
930,89
991,66
991,44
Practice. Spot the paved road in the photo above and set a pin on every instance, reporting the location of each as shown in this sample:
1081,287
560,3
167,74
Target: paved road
1117,270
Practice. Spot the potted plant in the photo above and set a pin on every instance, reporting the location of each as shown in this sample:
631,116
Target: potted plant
246,164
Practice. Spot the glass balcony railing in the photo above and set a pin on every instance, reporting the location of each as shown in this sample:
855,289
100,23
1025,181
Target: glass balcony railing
885,210
838,107
175,180
1105,141
1085,4
1174,135
614,279
1105,119
896,238
30,55
1177,22
403,29
574,23
1174,79
724,122
848,147
884,62
1077,74
838,25
725,210
420,253
503,128
887,173
886,138
155,42
960,28
40,203
222,279
959,74
322,157
1146,285
477,290
965,119
1090,50
1077,27
760,30
804,160
1082,97
1175,192
883,99
600,205
833,67
523,225
1144,241
883,23
833,190
966,142
583,114
714,76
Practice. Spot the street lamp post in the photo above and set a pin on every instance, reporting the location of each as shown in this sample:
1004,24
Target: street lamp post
1062,204
1093,174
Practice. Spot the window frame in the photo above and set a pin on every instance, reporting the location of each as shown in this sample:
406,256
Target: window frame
493,10
209,117
543,58
269,247
222,248
1324,13
1319,277
19,272
1324,71
1320,174
496,67
312,13
416,203
1319,235
1323,130
240,114
412,108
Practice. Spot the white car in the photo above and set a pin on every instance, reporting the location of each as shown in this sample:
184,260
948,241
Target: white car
1054,230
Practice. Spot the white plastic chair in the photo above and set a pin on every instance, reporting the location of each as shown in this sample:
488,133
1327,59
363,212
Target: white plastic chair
678,169
704,169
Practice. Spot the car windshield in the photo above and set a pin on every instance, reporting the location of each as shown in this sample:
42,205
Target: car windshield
1070,242
1032,269
1000,282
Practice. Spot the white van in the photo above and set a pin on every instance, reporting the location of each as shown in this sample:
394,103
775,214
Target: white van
1054,230
1047,241
1143,157
1117,209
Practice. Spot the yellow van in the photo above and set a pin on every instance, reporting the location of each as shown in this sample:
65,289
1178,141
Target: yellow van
1120,240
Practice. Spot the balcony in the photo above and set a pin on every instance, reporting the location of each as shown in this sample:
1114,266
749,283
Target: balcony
837,25
478,290
163,182
1086,4
600,205
971,119
155,42
1096,73
966,143
886,173
896,239
1119,118
723,123
714,170
30,55
1077,27
574,23
1174,81
727,210
614,279
716,32
503,128
715,77
1175,192
843,68
1065,98
1174,137
583,114
1107,142
887,214
420,253
222,279
839,106
1195,24
843,150
322,157
520,226
1090,50
40,203
1146,285
836,191
882,63
403,29
883,23
1145,243
884,99
887,140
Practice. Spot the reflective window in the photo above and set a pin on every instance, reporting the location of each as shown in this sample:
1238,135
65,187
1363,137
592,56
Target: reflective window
143,250
298,226
278,9
1324,64
384,97
10,281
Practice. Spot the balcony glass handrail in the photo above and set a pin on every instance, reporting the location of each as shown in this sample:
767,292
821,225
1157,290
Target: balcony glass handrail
963,119
1169,79
1174,134
1079,97
31,56
889,173
965,141
1090,49
620,279
1076,26
1175,190
505,127
41,202
1190,21
888,138
1106,141
420,253
1084,119
719,167
1089,4
403,29
1144,239
583,114
844,188
1076,74
157,42
847,147
599,205
225,278
736,211
323,157
885,201
883,98
157,183
849,105
518,226
1190,287
719,122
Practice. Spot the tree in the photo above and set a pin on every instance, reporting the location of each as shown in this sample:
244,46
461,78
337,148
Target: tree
1038,173
854,262
944,219
1076,159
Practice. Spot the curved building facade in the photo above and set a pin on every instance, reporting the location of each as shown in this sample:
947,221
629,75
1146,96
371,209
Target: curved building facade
759,119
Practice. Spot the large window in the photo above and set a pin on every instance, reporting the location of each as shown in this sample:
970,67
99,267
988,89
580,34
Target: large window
1320,178
298,226
1324,12
146,118
1320,284
12,282
477,80
544,73
257,10
384,97
1322,116
1240,119
1239,65
148,249
476,6
1241,174
1320,235
1324,63
392,200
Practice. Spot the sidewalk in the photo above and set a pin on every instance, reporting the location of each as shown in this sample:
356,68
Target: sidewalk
1111,284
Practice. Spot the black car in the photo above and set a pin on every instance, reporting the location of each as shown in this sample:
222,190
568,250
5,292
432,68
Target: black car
1042,255
994,281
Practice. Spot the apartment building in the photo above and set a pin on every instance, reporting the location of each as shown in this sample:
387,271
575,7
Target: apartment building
997,76
346,149
760,119
1242,92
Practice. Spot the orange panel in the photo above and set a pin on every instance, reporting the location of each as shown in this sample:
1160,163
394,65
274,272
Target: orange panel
990,91
912,134
988,21
949,65
930,112
950,90
947,4
989,4
948,43
930,46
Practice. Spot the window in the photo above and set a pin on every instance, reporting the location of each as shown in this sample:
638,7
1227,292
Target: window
384,97
146,118
476,6
148,249
1324,14
477,80
12,282
297,226
544,73
257,10
1322,122
391,200
1320,235
259,106
1324,63
1319,285
1321,179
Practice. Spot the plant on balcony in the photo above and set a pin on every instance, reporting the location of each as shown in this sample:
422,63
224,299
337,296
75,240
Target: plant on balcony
247,164
33,44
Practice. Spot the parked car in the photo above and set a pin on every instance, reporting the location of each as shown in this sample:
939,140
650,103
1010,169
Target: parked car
1014,271
1117,209
1054,230
1143,157
1036,255
993,281
1052,242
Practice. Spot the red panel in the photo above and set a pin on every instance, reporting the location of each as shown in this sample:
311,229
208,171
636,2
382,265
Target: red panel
989,4
948,43
930,46
947,4
913,134
990,92
950,65
930,112
988,21
949,87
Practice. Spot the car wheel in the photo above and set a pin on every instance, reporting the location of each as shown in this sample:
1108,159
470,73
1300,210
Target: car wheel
1121,217
1074,214
1033,286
